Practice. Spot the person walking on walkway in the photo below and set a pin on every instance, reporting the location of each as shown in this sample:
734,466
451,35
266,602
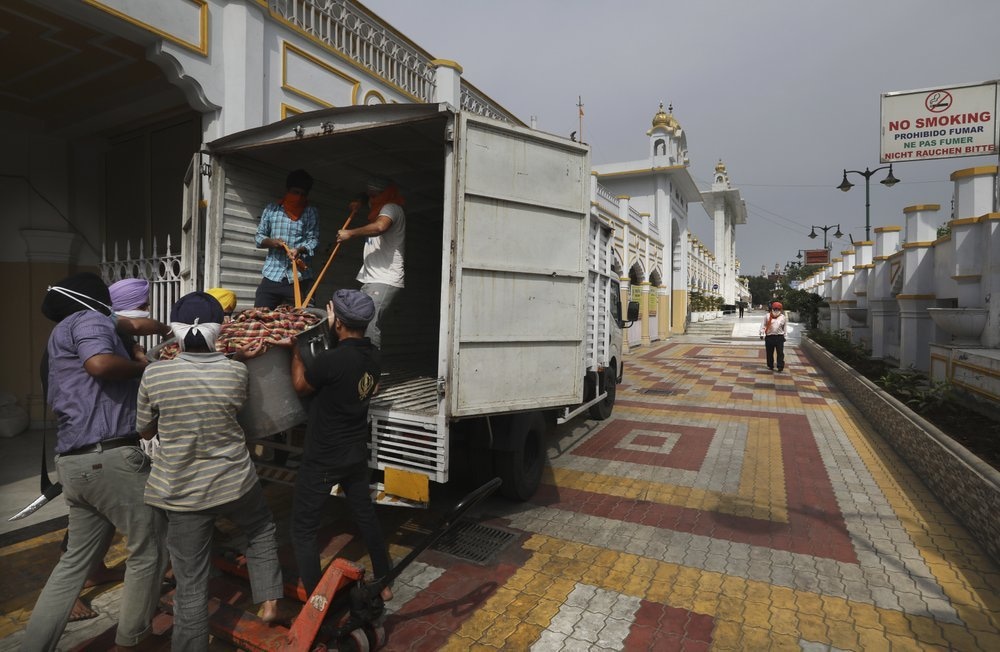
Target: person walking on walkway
202,469
92,384
772,331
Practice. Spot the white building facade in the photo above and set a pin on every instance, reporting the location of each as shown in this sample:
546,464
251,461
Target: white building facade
108,113
660,189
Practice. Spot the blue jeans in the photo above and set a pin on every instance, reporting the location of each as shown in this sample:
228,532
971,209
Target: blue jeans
383,295
105,491
189,540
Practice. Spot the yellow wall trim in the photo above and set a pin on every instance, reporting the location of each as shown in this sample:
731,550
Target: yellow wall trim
964,220
288,109
447,63
888,229
922,207
974,172
201,47
287,47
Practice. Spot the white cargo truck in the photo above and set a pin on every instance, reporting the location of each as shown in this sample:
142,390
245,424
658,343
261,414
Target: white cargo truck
510,319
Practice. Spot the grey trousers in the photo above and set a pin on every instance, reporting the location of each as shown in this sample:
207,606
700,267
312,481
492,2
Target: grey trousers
383,295
104,491
189,540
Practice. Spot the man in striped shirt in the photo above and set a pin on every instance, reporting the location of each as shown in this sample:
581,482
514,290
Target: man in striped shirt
203,469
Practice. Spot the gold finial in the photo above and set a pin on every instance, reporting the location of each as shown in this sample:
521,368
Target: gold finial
661,119
720,167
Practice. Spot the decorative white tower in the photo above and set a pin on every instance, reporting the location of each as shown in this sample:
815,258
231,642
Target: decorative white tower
667,141
727,209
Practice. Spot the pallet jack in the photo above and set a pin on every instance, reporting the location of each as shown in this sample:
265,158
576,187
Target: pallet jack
344,612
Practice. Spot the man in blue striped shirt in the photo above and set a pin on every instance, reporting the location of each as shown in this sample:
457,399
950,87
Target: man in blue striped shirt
289,230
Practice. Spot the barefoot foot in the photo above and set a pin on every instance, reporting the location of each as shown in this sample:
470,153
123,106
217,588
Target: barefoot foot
81,611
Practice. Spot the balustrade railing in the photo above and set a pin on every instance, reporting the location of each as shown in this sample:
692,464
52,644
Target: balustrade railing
475,101
161,270
355,34
607,201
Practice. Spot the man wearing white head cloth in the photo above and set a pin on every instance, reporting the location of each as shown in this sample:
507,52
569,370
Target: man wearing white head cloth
203,469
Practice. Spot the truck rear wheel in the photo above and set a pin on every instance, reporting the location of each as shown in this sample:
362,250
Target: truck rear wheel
521,466
602,410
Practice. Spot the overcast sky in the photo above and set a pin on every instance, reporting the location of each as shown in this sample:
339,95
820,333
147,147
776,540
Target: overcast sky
786,92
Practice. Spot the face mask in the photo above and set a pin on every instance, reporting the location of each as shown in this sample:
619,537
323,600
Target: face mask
294,205
133,314
775,312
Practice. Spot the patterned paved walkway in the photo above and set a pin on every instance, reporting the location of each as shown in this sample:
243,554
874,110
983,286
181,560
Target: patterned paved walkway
722,506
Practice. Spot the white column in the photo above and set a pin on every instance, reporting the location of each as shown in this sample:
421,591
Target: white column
447,82
243,65
916,329
973,199
883,306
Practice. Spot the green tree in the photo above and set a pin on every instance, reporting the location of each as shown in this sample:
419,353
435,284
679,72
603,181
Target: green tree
799,272
761,289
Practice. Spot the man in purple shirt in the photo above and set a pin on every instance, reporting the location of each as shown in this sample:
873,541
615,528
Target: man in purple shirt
92,387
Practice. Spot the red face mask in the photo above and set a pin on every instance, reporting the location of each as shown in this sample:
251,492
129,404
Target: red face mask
294,204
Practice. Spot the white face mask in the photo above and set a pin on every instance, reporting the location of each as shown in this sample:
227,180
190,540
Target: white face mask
133,314
775,312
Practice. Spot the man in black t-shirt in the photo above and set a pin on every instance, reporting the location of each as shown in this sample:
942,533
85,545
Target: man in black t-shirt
343,380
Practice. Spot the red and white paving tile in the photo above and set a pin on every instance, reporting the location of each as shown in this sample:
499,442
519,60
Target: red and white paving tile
722,506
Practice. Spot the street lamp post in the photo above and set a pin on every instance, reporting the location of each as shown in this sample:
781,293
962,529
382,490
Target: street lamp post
838,234
888,182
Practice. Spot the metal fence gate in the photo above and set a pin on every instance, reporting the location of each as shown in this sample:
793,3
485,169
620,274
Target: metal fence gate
161,270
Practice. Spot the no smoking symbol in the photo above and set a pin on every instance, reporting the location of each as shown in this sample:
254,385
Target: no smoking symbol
938,101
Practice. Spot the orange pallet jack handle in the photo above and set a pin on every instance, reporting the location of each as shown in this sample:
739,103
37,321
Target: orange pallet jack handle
296,265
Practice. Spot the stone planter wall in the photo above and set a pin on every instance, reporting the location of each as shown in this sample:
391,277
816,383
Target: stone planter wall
966,485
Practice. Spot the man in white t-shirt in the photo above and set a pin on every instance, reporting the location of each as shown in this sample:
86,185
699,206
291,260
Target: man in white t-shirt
381,273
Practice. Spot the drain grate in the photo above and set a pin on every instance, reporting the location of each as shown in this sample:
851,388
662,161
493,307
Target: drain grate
659,392
474,542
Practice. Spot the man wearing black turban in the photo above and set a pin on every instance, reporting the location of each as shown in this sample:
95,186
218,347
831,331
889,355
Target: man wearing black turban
92,386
